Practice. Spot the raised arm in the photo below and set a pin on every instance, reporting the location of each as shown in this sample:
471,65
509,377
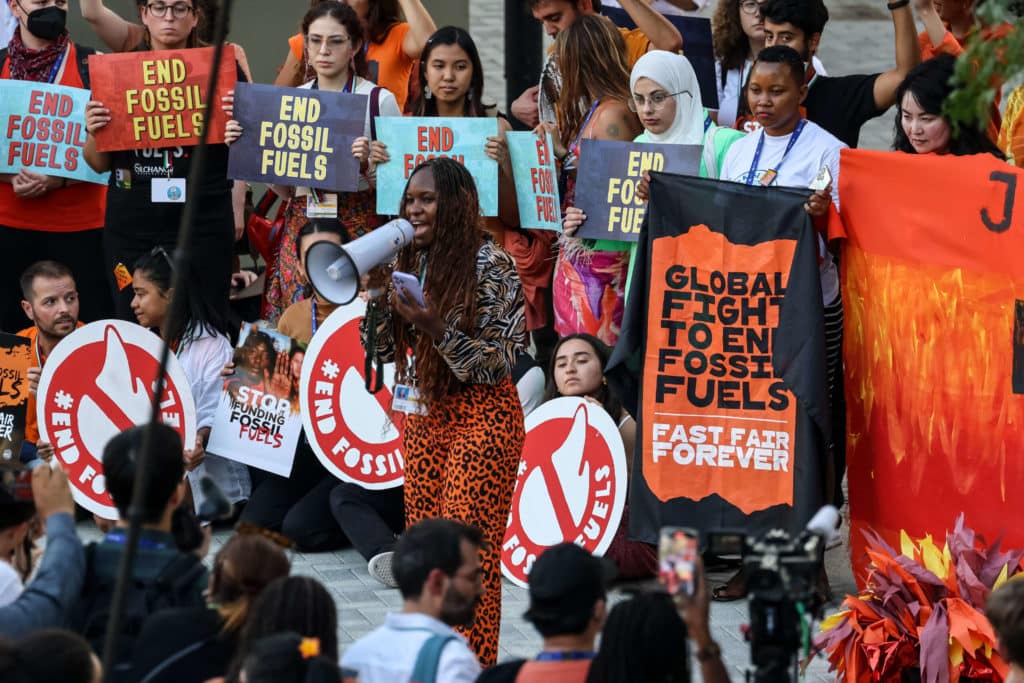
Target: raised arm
908,55
659,30
421,27
115,32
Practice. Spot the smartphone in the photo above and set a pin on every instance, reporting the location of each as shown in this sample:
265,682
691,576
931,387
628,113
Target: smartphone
677,555
822,180
409,283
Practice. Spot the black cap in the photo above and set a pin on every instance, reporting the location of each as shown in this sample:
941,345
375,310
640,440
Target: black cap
566,579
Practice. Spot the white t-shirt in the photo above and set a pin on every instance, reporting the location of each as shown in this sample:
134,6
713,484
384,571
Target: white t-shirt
664,7
814,148
389,652
388,107
201,360
729,93
10,584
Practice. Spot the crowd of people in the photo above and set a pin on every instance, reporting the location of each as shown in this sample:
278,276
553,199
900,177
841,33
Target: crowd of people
509,317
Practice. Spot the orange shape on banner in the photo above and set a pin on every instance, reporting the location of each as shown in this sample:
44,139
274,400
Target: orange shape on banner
159,98
933,290
716,418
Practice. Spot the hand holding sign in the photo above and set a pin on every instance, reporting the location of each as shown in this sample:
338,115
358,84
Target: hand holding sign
533,167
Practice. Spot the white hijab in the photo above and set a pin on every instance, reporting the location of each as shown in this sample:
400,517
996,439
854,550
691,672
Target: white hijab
674,73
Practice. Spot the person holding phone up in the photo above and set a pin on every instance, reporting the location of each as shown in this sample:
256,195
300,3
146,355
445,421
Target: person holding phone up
453,358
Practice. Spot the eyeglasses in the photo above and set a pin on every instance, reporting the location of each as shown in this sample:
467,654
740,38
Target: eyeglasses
657,100
332,43
179,10
751,7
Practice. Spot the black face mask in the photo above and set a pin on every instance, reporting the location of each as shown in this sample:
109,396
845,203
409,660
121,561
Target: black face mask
47,23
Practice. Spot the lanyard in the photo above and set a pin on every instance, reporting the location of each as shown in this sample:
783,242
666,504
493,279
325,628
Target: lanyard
144,543
312,303
349,86
56,66
565,656
583,128
707,122
774,172
168,165
39,356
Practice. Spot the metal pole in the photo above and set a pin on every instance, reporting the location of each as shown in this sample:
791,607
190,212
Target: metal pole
524,53
182,259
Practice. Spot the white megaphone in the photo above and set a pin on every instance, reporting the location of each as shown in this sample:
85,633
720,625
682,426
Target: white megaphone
335,270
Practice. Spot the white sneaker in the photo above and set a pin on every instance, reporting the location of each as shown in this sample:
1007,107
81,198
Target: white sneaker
379,567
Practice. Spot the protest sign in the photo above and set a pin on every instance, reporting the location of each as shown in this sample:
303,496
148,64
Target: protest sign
571,484
349,428
411,141
158,99
98,382
533,168
15,360
722,360
44,130
257,420
297,137
609,172
933,298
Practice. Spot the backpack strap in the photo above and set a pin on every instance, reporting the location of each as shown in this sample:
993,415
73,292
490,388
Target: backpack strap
429,658
176,580
374,111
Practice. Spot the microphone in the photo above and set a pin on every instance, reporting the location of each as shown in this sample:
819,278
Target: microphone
215,505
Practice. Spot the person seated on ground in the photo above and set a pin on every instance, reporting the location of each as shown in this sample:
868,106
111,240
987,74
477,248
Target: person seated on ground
437,566
577,369
49,656
568,605
162,575
922,126
198,643
1004,609
50,300
290,604
645,639
288,658
46,600
373,519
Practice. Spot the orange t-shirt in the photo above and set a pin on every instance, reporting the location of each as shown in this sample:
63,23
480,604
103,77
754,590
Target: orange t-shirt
67,209
574,671
637,44
31,425
390,67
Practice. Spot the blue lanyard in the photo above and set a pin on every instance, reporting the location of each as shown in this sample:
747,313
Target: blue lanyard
56,66
565,656
144,543
349,86
583,128
707,122
760,147
312,302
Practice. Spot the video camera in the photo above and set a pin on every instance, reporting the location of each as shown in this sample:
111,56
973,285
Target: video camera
781,581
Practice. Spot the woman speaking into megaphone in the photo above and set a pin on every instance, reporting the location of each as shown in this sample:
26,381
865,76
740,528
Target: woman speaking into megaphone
453,355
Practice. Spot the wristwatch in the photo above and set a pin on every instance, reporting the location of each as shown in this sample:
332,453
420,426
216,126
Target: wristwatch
709,652
897,4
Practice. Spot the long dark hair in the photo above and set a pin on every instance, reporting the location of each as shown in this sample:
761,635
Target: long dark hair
452,35
201,315
929,84
644,639
382,16
451,278
608,399
291,603
731,44
347,17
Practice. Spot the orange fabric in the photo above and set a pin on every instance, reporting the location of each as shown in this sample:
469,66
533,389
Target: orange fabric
68,209
573,671
949,45
394,66
31,424
637,44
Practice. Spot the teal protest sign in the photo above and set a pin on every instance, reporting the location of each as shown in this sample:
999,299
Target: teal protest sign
44,130
411,141
297,137
606,181
533,167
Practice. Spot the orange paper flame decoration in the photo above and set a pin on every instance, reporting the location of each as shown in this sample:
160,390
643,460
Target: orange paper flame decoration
922,607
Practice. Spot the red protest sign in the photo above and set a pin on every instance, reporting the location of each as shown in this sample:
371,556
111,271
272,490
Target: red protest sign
158,99
97,383
349,429
571,484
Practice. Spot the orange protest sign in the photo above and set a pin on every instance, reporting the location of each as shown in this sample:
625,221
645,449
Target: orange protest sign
159,99
933,289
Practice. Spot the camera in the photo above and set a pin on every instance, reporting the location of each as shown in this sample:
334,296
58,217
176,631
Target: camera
781,581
